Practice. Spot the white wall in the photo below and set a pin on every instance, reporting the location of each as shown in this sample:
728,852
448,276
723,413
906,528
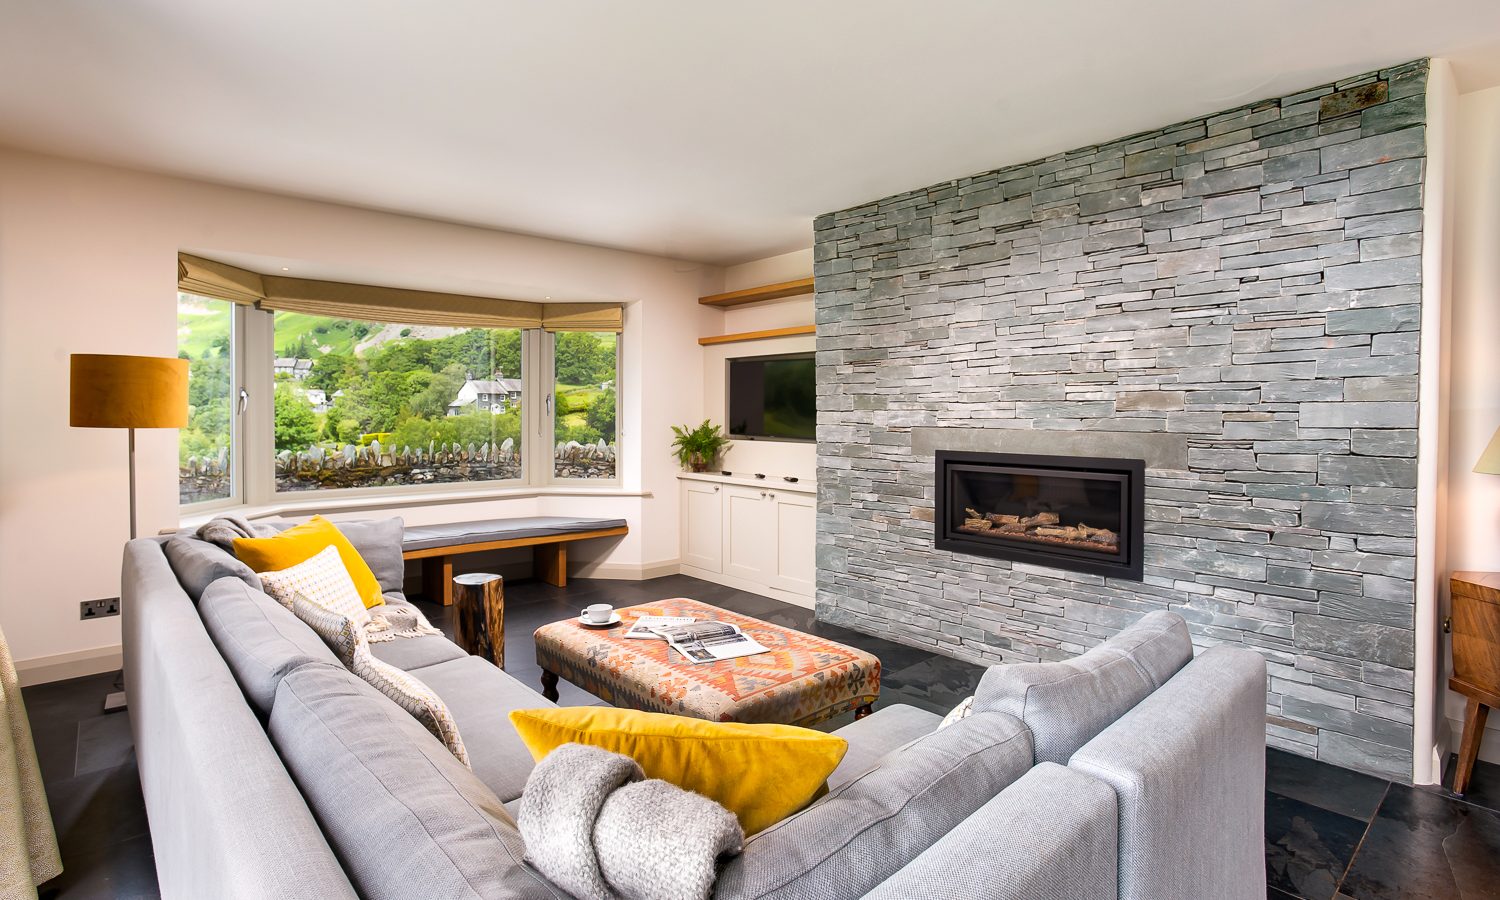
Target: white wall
773,458
88,264
1473,539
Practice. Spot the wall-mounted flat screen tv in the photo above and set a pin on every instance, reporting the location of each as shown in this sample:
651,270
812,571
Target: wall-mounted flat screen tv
773,397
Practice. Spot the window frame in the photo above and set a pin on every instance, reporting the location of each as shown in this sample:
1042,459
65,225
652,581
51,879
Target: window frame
549,364
237,468
253,445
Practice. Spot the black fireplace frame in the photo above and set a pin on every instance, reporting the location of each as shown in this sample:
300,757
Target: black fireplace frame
1128,564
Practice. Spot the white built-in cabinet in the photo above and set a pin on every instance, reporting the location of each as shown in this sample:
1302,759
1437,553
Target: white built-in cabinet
756,536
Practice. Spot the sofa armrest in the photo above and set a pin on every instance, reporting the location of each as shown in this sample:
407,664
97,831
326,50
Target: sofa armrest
1188,767
1050,836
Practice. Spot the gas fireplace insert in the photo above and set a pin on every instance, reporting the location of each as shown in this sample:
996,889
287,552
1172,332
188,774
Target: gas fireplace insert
1084,514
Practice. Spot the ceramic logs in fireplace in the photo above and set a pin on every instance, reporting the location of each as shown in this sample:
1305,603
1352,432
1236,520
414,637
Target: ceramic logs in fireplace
1084,514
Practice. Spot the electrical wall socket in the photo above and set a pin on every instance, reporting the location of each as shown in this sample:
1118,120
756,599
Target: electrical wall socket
99,609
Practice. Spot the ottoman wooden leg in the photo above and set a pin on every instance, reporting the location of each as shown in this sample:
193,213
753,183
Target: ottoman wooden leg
863,711
549,685
479,619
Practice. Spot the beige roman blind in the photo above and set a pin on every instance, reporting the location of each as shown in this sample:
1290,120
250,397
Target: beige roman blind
385,304
220,281
583,317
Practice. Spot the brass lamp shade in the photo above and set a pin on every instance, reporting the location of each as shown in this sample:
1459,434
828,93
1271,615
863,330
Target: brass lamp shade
128,391
1489,460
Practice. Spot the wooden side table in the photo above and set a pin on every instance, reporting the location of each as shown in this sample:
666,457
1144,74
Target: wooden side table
1476,660
479,615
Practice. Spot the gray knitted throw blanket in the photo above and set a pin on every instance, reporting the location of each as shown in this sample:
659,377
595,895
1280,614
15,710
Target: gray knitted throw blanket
599,831
387,622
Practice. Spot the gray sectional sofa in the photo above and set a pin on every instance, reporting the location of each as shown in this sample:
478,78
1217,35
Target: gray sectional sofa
1133,771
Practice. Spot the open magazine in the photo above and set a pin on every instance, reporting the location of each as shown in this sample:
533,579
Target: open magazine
646,627
704,642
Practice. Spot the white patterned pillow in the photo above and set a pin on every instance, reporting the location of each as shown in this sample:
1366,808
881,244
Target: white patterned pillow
961,711
412,695
337,630
323,580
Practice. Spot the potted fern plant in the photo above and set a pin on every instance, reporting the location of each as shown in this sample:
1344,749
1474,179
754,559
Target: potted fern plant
697,448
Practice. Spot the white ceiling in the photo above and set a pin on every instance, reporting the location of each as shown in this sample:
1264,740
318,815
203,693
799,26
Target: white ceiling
706,131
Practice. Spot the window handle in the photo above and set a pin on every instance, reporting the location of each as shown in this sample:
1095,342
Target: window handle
244,401
549,404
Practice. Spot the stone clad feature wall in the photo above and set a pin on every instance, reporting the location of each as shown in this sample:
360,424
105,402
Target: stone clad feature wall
1234,299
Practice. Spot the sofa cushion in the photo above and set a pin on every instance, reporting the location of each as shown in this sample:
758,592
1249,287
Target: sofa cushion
1065,704
198,564
260,640
379,544
402,814
479,696
862,832
414,652
871,738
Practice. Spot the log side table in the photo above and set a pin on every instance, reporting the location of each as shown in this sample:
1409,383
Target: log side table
1476,660
479,615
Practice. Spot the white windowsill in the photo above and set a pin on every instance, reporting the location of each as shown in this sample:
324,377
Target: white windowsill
316,505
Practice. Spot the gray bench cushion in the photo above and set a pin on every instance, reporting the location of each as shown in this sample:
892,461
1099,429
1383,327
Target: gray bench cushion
260,639
425,537
405,818
1050,836
862,832
480,697
872,737
1065,704
198,564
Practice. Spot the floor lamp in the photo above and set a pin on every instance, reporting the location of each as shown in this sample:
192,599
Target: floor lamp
129,392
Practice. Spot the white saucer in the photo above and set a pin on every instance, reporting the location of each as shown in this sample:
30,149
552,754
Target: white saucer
614,619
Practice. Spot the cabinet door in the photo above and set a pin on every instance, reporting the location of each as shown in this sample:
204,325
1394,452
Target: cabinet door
702,525
795,561
749,533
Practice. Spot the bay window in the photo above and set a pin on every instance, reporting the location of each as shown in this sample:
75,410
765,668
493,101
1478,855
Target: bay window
300,397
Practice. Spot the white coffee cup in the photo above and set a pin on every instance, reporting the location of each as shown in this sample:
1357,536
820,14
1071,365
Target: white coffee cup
599,613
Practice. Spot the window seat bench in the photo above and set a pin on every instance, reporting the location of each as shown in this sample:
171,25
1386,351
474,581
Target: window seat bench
436,545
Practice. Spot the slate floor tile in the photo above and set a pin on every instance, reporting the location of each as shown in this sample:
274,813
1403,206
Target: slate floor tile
104,742
1484,785
1307,848
1348,793
1426,846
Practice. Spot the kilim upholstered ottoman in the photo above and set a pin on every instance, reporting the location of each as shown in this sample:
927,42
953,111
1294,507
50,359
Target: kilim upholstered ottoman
802,680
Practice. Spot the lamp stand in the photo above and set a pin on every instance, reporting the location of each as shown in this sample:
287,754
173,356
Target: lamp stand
115,700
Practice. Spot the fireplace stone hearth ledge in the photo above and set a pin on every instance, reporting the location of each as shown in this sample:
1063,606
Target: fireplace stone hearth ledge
1234,299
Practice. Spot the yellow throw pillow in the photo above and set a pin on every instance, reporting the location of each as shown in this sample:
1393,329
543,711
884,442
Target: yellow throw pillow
761,773
302,542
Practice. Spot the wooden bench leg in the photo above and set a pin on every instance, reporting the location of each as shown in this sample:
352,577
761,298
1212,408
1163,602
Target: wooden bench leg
551,563
1475,714
437,579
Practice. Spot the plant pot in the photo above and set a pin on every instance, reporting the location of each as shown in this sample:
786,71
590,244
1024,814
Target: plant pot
698,464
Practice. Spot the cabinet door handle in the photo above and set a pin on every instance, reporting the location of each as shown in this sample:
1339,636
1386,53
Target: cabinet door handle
772,496
716,489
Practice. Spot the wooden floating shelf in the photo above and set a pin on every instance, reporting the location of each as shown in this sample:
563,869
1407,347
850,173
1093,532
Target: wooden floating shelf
757,294
757,335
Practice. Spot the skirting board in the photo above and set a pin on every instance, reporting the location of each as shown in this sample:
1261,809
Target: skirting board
62,666
801,600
